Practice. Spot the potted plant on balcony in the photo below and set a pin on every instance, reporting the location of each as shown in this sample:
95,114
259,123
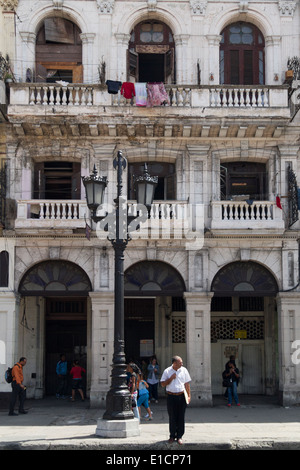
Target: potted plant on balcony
8,78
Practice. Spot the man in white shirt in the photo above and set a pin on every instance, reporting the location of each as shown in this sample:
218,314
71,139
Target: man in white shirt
176,379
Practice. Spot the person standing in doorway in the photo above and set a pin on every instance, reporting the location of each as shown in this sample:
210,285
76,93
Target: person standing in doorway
61,372
176,379
152,379
18,388
233,374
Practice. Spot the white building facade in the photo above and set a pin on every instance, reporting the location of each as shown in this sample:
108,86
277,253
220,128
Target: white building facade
214,271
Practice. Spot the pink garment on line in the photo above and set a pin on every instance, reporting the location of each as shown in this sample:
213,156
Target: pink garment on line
157,94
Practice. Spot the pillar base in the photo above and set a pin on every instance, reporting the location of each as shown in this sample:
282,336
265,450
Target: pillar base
117,428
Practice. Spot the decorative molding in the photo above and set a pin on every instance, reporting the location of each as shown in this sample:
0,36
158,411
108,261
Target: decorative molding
198,7
152,4
287,7
106,6
58,4
9,5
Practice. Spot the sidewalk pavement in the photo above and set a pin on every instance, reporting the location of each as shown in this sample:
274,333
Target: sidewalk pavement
259,423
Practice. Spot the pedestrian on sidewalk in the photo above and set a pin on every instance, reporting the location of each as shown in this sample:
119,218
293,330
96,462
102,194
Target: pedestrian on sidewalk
176,379
18,388
76,373
143,397
61,372
233,374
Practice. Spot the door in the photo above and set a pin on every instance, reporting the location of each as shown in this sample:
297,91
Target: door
252,369
139,328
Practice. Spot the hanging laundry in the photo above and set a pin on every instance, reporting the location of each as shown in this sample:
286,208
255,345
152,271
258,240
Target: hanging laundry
157,95
140,94
128,90
113,86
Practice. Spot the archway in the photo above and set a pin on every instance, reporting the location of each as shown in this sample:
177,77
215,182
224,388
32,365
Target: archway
54,302
154,312
244,324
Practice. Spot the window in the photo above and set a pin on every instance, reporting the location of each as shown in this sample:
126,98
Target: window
166,188
242,55
58,52
4,267
151,56
57,180
243,180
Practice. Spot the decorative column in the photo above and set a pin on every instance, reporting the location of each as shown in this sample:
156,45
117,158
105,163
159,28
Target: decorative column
102,330
183,61
289,347
198,346
212,76
87,56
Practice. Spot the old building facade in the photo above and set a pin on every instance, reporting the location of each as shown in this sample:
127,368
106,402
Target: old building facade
214,270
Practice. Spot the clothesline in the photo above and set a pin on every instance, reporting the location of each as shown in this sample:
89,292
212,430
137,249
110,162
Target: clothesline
146,94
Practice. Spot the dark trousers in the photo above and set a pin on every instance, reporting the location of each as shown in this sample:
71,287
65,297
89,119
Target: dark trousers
17,392
176,406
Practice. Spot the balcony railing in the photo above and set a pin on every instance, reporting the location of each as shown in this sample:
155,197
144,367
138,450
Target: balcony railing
181,96
37,213
244,215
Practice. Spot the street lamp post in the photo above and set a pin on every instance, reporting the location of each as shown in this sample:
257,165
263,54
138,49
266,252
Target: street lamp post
118,400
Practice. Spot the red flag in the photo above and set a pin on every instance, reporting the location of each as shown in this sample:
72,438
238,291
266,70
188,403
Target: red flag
278,203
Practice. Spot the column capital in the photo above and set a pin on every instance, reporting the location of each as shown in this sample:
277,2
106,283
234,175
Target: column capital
9,5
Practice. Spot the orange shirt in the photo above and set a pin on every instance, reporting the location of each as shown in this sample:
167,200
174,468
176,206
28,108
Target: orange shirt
17,373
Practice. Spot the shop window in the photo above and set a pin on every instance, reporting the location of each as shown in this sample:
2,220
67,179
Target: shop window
57,180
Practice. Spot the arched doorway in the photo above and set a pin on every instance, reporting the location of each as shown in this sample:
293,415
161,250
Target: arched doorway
244,324
151,53
242,59
154,312
55,293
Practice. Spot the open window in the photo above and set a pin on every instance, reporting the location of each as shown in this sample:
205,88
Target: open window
243,181
242,55
151,53
57,180
166,187
58,52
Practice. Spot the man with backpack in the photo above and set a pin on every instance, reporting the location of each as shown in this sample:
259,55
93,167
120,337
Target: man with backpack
18,389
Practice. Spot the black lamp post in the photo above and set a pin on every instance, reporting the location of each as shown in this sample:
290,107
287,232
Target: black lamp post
118,400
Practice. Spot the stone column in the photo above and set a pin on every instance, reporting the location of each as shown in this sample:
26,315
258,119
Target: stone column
198,346
289,347
102,306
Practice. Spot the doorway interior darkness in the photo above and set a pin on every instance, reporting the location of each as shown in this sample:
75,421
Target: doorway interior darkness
66,332
151,67
138,326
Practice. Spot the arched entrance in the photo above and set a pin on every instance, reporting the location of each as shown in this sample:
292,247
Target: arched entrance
244,324
54,298
154,312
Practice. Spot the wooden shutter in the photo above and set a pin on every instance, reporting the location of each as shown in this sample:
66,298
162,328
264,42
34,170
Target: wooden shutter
132,66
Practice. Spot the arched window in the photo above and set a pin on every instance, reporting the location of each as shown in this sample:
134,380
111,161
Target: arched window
4,266
58,51
242,55
151,53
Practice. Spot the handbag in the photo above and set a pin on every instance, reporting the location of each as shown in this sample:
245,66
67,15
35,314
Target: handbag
227,382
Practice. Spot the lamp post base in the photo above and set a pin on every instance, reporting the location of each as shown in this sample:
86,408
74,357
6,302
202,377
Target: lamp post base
117,428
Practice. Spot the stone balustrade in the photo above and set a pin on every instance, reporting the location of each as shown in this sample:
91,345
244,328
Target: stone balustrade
181,96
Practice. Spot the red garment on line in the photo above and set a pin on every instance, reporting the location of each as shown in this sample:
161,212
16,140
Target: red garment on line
128,90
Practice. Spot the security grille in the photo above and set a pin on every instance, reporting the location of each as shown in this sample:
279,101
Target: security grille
225,328
178,330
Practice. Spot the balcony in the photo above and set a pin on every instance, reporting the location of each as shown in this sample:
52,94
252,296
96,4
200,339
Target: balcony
237,215
217,97
167,219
